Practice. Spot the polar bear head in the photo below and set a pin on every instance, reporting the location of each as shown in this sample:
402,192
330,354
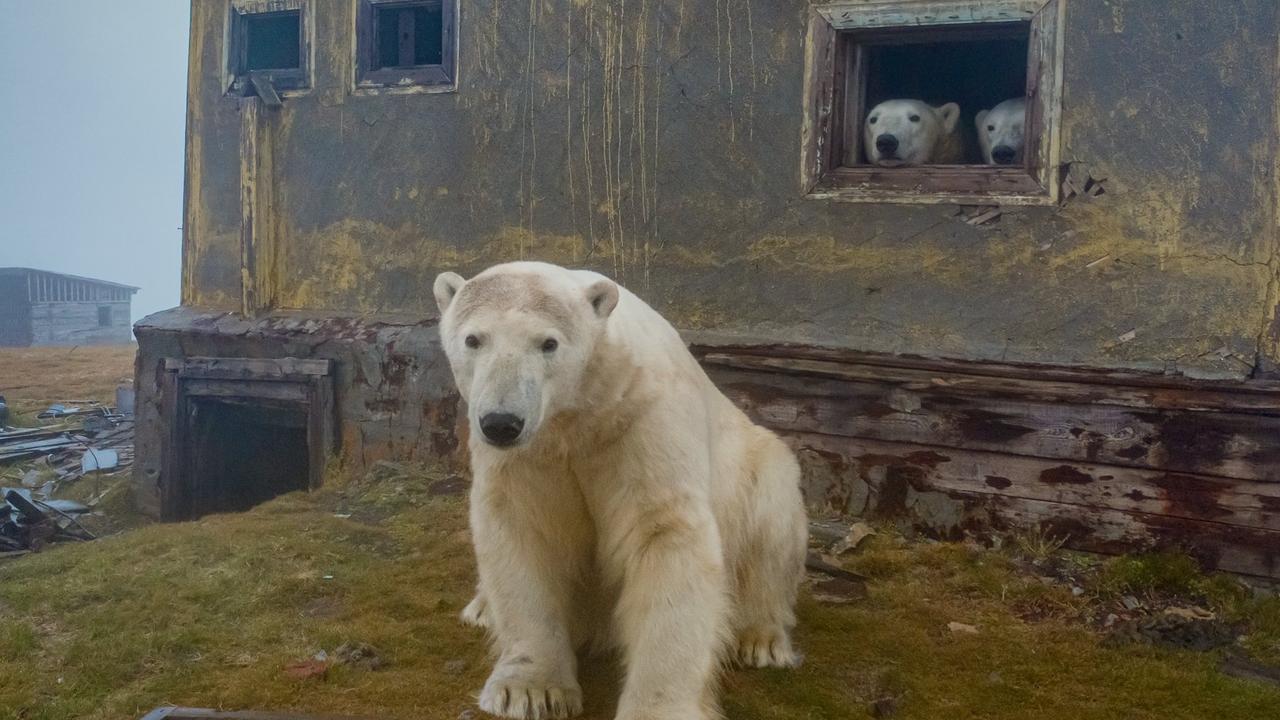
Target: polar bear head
1000,132
519,338
907,132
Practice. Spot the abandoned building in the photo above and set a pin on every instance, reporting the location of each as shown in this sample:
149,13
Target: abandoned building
38,307
1086,342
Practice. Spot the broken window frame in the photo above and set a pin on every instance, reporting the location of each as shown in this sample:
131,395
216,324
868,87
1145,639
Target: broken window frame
417,78
287,81
839,34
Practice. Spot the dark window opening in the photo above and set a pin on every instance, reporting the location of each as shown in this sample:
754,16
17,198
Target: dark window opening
272,45
405,43
977,75
273,41
409,36
242,453
104,316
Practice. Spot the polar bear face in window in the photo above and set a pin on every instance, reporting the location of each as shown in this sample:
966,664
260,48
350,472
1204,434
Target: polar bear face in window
898,133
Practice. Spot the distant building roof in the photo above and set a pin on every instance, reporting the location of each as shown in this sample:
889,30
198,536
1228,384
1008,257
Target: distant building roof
95,281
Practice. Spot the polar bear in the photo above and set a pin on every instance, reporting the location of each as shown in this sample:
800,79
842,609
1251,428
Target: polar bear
911,132
1000,132
620,501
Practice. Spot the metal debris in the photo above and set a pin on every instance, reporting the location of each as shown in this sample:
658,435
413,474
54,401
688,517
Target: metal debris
27,523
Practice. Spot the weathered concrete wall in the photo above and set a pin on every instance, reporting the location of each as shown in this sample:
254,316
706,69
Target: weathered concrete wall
659,141
76,323
393,391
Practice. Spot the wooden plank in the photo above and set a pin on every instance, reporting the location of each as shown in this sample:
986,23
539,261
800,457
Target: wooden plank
889,13
1154,492
1247,551
1222,444
702,344
184,713
936,493
321,421
1056,386
249,389
250,108
817,125
251,368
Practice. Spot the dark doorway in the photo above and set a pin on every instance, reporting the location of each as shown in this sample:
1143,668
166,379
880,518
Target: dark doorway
243,431
243,453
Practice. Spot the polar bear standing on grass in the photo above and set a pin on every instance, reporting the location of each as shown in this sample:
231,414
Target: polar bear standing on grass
620,501
912,132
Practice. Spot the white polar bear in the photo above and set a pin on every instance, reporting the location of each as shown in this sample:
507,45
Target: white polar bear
1000,132
911,132
620,501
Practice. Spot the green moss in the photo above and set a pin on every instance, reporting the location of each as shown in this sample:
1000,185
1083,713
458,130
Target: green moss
208,613
1167,573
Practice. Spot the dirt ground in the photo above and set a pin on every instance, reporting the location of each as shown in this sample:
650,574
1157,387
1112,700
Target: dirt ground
32,379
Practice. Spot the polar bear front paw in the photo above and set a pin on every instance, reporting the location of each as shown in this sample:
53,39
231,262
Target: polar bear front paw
510,696
476,613
762,648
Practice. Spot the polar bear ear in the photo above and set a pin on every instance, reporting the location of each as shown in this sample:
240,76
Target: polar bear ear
447,286
603,296
981,119
950,116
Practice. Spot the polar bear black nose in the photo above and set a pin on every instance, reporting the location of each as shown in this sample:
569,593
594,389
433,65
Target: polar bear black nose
501,428
887,144
1004,155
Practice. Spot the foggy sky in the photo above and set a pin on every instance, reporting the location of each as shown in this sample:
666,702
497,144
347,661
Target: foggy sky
92,111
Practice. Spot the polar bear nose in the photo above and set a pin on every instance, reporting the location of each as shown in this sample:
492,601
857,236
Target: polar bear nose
887,144
1004,155
501,428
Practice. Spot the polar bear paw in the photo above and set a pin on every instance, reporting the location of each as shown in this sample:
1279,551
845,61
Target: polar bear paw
476,613
510,696
766,647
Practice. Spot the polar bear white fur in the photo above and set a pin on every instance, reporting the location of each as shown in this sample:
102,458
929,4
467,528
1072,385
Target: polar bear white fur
1000,132
911,132
620,501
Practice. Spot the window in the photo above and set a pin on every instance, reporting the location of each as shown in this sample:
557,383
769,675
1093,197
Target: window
402,44
270,38
104,316
950,62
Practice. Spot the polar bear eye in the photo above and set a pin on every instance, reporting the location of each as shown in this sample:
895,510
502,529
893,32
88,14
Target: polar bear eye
991,128
915,118
472,342
549,345
873,120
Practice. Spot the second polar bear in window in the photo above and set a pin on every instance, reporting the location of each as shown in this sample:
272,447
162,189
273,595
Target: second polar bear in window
1001,132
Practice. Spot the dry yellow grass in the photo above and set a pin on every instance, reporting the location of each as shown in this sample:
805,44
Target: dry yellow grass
31,379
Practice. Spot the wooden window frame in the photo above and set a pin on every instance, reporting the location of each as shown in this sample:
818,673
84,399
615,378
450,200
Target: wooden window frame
288,82
419,78
837,39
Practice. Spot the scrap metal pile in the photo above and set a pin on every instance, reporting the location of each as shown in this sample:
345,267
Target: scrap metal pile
83,439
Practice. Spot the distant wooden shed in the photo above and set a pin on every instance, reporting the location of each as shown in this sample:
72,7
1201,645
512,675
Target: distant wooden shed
38,307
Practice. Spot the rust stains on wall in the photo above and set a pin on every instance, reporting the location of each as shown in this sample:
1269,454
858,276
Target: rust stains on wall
657,141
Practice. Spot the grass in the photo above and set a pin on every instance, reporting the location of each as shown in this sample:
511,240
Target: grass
32,379
209,613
